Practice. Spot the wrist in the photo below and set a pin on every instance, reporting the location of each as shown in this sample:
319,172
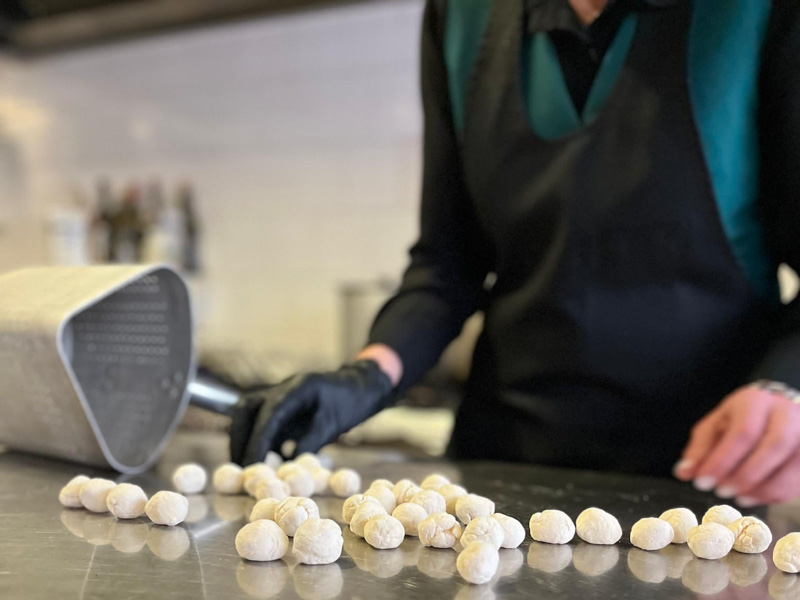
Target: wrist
387,360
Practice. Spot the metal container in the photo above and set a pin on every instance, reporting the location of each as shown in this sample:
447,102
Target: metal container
94,362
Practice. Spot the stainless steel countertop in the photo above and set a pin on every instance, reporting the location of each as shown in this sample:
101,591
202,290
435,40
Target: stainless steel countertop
49,552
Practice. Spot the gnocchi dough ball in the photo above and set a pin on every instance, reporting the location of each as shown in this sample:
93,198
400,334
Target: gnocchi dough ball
321,477
451,493
228,479
189,479
261,541
318,542
483,529
430,500
478,562
382,482
722,514
352,503
434,481
272,488
751,535
69,495
439,530
651,534
404,490
126,501
682,520
308,460
786,554
93,494
470,506
596,526
273,460
710,540
254,475
513,531
384,495
410,516
552,527
264,509
368,508
298,478
345,482
293,512
167,508
384,532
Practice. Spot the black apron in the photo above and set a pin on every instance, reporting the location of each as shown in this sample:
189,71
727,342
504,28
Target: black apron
619,315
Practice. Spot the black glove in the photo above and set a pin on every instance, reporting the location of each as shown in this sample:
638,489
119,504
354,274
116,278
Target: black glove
312,409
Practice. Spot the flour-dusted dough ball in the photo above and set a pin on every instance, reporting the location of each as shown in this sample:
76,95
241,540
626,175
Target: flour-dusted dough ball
382,482
722,514
404,490
384,495
752,536
596,526
126,501
253,476
318,542
167,508
478,562
93,494
293,512
308,460
552,527
189,479
345,482
321,477
682,520
430,500
483,529
273,488
513,530
439,530
299,479
368,508
451,493
651,534
384,532
273,460
786,554
353,502
69,495
264,509
228,479
410,515
710,540
470,506
261,540
434,481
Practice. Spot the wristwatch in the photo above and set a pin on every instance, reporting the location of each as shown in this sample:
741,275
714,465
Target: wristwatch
778,388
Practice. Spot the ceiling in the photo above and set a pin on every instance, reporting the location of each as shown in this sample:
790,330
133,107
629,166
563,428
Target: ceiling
37,26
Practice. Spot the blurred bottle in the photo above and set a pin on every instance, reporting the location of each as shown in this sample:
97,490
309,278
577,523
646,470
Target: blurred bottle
164,241
68,231
102,223
190,251
128,229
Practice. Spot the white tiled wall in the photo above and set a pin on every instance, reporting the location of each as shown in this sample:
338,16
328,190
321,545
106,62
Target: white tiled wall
300,133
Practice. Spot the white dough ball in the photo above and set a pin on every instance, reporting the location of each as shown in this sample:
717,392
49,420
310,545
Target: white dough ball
93,494
430,500
596,526
786,554
126,501
318,542
470,506
253,476
410,515
228,479
722,514
552,527
434,481
350,505
384,532
264,509
293,512
478,562
404,490
384,495
710,540
308,460
382,482
298,478
439,530
262,541
167,508
483,529
272,488
682,520
368,508
451,493
345,482
651,534
69,495
752,536
513,530
321,477
273,460
190,479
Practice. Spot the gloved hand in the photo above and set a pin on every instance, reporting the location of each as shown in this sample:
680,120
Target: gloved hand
312,409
